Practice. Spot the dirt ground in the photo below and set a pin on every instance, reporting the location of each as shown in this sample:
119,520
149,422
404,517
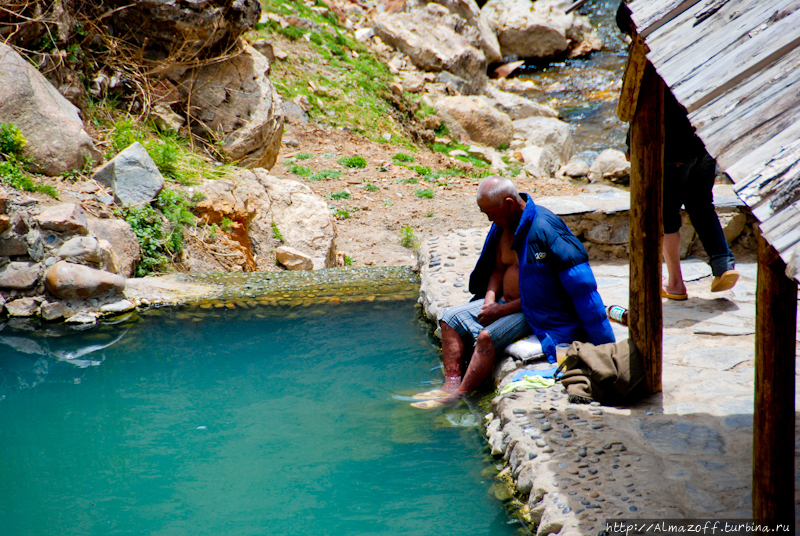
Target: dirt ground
371,233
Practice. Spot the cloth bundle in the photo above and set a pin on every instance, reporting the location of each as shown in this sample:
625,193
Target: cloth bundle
612,373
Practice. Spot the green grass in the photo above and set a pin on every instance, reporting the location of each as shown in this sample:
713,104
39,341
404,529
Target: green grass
339,195
426,193
300,171
303,156
403,157
422,170
12,163
276,233
412,180
407,237
324,175
370,187
355,161
341,213
348,260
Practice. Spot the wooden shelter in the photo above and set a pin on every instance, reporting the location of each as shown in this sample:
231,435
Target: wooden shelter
735,66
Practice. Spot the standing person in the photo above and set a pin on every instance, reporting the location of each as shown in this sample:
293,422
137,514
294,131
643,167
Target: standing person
541,272
689,173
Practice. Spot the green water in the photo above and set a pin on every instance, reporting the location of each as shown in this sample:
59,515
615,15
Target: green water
238,423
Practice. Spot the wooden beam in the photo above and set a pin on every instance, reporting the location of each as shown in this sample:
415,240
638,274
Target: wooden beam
647,169
632,79
773,419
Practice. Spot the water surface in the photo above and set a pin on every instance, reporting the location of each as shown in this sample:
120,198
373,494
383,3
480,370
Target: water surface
254,421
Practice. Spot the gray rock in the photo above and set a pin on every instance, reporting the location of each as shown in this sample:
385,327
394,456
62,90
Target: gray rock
132,176
13,246
23,307
20,275
539,162
235,99
611,165
606,233
121,236
456,82
53,310
481,122
293,259
63,218
576,169
57,141
293,113
547,132
429,38
188,27
117,307
516,106
65,280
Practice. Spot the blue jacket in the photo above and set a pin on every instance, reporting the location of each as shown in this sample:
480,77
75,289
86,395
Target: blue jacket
558,290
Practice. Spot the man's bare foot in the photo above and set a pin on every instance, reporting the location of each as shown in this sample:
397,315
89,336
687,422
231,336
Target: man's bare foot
431,395
439,402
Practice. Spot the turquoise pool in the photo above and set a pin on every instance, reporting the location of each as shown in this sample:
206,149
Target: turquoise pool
258,421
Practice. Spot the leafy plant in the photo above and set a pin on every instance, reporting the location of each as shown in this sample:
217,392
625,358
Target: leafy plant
370,187
226,225
11,175
340,195
11,140
422,170
425,193
348,260
355,161
276,233
302,171
430,214
148,227
12,162
407,237
341,213
303,156
403,157
325,174
412,180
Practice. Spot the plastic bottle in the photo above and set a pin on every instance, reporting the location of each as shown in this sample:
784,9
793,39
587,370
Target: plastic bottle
617,313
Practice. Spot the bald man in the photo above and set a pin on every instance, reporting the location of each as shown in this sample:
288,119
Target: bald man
532,276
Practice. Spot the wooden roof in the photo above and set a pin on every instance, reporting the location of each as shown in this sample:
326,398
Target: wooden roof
735,66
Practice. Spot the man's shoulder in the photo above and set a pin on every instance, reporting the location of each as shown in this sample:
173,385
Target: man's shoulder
547,225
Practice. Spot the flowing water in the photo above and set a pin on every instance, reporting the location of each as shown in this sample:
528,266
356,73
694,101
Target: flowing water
586,90
243,421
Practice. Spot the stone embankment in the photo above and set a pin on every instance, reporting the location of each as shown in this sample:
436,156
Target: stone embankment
683,453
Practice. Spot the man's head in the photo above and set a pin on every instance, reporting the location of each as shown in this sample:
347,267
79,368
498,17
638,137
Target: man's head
499,200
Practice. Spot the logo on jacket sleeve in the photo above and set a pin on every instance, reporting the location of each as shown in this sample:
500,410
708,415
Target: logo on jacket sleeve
539,256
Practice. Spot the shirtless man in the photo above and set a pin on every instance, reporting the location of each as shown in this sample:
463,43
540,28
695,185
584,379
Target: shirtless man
473,333
541,272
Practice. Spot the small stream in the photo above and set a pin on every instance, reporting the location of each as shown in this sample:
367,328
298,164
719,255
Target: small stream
586,90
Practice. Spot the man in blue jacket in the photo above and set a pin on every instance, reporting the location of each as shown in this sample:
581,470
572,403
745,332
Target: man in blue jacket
532,275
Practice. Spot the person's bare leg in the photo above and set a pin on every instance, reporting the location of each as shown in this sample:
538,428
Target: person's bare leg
480,366
672,257
452,353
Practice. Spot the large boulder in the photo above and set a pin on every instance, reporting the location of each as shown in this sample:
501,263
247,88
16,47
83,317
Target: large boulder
516,106
540,29
546,132
120,234
430,37
477,119
301,216
57,141
471,13
611,165
132,176
66,280
235,100
184,28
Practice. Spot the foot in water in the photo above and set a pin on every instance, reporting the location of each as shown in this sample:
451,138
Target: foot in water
439,402
431,395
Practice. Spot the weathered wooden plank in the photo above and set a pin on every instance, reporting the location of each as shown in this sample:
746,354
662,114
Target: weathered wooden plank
647,169
786,241
792,260
759,99
773,419
680,50
779,219
749,153
650,16
785,164
631,80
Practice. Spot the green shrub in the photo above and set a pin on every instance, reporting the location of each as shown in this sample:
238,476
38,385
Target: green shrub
276,233
348,260
370,187
407,238
148,226
340,195
355,161
302,171
325,174
303,156
426,193
403,157
11,140
341,213
14,177
422,170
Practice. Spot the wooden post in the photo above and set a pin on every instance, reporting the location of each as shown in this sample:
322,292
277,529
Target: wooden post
647,169
773,420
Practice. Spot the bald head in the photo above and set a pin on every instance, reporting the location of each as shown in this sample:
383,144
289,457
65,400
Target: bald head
499,200
493,190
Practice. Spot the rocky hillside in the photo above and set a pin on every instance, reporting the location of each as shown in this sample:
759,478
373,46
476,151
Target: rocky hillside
240,136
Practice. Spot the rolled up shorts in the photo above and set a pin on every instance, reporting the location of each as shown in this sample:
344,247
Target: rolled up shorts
503,331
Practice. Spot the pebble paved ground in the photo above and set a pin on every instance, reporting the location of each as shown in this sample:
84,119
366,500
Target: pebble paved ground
683,453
